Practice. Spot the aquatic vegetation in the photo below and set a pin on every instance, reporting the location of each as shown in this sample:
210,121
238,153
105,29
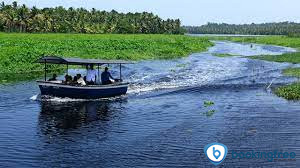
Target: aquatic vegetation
289,92
292,91
19,51
287,57
208,103
210,113
209,108
292,72
223,55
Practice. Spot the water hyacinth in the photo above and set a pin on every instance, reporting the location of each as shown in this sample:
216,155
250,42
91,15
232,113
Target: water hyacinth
19,52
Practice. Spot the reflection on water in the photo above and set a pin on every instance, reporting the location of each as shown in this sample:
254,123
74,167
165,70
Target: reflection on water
58,117
72,114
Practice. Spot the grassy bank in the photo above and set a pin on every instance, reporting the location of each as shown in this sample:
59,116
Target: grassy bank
287,57
293,42
20,51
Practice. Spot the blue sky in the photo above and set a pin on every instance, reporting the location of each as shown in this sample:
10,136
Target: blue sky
192,12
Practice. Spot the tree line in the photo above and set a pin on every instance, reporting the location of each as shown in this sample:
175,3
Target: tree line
20,18
281,28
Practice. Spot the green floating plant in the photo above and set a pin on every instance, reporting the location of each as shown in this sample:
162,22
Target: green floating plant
210,113
208,103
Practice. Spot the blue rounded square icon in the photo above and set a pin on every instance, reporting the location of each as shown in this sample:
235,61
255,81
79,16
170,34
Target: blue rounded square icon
216,152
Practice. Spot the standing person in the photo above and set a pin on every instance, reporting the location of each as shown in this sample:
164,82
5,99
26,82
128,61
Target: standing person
91,76
105,77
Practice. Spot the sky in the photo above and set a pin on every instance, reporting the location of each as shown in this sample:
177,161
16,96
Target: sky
191,12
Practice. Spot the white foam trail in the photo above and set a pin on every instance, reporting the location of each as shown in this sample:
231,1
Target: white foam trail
135,89
66,99
195,74
58,99
34,97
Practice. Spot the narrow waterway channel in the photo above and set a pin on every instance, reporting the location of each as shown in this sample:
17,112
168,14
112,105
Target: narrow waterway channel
162,122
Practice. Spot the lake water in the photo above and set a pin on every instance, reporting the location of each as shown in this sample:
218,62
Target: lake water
228,35
162,121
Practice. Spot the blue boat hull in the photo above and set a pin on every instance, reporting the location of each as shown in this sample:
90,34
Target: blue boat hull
82,92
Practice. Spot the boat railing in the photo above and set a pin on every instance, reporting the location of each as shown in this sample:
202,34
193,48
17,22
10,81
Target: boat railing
61,83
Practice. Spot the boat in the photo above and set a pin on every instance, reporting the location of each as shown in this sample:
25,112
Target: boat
96,91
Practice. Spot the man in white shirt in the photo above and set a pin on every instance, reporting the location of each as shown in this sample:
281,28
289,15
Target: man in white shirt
91,76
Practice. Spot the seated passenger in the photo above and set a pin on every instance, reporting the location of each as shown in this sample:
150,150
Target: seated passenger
68,79
74,81
80,80
53,78
106,77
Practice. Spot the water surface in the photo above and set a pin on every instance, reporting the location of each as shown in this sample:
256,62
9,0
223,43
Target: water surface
162,122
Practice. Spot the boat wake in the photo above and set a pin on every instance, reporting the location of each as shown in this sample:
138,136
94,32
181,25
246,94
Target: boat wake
206,69
35,97
200,69
66,99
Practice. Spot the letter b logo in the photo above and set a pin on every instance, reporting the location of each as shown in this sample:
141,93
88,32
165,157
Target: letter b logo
218,153
215,152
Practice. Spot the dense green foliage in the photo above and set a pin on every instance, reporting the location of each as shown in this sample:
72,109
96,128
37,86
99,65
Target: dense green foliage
290,92
282,28
19,51
14,18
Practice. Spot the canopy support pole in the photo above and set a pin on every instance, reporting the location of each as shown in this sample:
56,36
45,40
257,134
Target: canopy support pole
45,68
98,73
67,69
120,71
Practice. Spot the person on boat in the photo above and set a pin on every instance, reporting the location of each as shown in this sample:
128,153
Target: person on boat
91,76
80,80
53,78
106,77
74,81
68,79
